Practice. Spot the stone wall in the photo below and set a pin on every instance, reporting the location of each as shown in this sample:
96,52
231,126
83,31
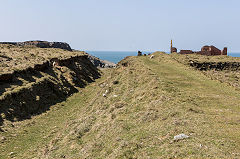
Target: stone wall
186,52
224,52
218,66
207,53
173,49
212,50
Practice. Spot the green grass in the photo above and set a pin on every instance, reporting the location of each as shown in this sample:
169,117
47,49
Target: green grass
16,58
156,99
30,134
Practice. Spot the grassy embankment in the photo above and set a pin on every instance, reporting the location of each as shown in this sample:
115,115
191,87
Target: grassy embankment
153,100
15,58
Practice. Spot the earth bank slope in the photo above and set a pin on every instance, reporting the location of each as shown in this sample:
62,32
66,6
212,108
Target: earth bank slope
147,102
33,79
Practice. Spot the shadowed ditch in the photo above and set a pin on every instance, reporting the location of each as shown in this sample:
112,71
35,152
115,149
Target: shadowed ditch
38,95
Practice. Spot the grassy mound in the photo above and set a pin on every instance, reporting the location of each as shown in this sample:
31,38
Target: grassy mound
134,111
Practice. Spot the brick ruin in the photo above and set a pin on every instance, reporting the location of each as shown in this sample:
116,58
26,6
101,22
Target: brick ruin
173,49
206,50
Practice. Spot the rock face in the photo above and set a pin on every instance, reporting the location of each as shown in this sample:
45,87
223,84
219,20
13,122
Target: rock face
101,63
42,44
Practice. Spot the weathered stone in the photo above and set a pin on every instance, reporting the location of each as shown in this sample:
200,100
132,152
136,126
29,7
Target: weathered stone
180,137
186,52
174,50
115,82
218,66
101,63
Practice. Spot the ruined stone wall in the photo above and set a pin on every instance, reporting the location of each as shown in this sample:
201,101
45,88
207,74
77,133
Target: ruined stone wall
207,53
215,51
206,50
210,51
173,49
224,52
218,66
186,52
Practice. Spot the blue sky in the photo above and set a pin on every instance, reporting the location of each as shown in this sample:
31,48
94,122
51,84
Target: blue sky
124,25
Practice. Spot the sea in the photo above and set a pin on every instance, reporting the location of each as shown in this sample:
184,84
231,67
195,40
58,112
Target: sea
116,56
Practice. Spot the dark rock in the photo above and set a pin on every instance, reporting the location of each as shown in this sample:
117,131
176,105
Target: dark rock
218,66
101,63
115,82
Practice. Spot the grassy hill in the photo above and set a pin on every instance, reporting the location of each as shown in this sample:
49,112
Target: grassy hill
134,111
14,58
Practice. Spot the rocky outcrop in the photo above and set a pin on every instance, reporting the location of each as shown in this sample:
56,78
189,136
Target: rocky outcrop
101,63
42,44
